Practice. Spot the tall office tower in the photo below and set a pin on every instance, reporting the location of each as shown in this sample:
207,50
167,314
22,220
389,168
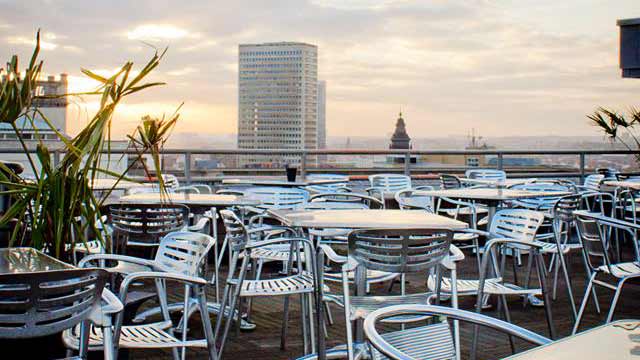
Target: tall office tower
322,119
277,99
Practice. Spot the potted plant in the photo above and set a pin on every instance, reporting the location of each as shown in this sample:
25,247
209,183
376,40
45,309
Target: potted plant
47,208
620,128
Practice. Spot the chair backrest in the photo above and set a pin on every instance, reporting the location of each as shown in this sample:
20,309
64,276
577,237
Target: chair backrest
368,202
170,181
186,190
592,182
517,224
541,203
183,251
486,174
399,250
390,182
327,188
596,201
45,303
235,231
203,188
147,224
414,200
449,182
564,207
596,250
626,204
272,197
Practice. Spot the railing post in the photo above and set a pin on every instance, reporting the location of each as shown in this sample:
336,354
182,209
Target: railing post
407,163
582,167
56,157
303,164
187,167
500,161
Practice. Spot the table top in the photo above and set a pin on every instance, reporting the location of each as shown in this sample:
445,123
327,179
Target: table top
366,219
107,184
635,185
190,199
491,194
279,181
501,183
610,341
27,260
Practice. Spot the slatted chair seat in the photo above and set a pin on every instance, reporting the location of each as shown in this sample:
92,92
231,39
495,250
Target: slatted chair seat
622,269
134,336
294,284
361,306
433,342
373,276
90,247
491,286
464,236
551,248
271,253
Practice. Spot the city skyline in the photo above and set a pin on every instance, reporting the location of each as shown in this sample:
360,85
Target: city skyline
450,66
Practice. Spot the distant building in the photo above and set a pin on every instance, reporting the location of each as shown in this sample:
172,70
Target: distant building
277,99
322,117
468,160
400,140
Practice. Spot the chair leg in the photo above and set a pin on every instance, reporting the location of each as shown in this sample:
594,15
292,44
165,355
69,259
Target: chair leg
554,294
567,280
206,323
507,318
303,323
545,295
527,278
585,301
285,324
614,302
107,341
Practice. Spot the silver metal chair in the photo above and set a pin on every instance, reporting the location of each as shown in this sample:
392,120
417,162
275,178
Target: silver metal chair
180,258
591,183
410,199
387,183
364,201
512,229
433,341
238,285
486,174
449,182
328,188
595,236
398,251
46,303
142,225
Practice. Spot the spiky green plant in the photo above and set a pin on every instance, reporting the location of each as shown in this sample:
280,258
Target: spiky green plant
620,128
49,207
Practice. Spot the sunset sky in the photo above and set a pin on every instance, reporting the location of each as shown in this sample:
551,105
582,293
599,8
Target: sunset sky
503,67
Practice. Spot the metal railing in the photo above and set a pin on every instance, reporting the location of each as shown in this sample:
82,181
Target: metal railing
406,167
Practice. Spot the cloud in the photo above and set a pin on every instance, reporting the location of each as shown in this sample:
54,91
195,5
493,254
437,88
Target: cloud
183,71
157,32
21,40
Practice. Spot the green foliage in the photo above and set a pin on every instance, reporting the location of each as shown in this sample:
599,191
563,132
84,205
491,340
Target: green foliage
618,127
48,208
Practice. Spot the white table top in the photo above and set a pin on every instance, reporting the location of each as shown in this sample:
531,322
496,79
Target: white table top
363,219
190,199
501,183
107,184
635,185
278,181
609,341
491,194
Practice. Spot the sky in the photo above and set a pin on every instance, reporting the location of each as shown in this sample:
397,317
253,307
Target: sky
505,68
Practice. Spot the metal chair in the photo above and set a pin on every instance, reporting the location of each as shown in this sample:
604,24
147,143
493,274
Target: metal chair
398,251
328,188
238,286
180,258
45,303
449,182
410,199
486,174
595,236
591,183
143,225
433,341
364,201
512,229
387,183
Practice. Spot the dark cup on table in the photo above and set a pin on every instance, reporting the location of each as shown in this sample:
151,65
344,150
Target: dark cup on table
291,173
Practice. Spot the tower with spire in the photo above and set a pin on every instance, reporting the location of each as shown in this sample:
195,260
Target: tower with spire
400,140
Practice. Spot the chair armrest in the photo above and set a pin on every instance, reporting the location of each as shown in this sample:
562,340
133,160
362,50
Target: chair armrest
280,240
423,187
479,232
155,275
200,225
109,306
119,258
332,255
455,255
495,241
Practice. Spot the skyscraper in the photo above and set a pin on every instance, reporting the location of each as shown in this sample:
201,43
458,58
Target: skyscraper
277,98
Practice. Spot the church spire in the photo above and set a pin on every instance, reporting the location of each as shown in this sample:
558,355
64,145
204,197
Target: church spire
400,139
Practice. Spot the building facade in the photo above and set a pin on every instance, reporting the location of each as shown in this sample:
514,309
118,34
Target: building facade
277,99
322,114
